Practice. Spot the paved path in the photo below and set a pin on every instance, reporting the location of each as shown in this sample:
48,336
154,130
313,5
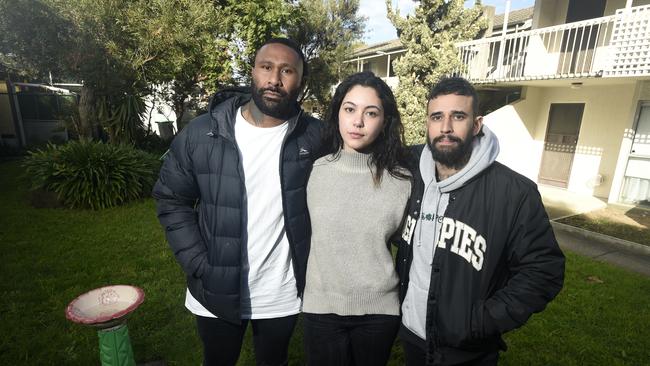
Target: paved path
632,260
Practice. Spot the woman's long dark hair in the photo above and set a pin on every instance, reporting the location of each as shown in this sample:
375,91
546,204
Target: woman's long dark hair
387,152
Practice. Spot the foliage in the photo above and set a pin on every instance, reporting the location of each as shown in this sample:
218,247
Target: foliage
61,48
92,174
122,119
326,30
180,50
148,141
77,40
192,38
116,47
429,38
254,21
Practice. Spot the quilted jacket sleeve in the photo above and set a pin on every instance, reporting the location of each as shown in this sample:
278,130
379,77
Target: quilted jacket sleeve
535,266
176,193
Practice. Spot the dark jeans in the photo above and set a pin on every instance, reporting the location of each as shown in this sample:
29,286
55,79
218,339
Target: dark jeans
222,340
415,356
337,340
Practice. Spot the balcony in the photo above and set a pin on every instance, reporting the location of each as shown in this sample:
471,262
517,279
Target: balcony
613,46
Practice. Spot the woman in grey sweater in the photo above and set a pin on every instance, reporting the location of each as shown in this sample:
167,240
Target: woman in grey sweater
356,196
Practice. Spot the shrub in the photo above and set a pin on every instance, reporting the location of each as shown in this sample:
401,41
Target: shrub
150,142
92,174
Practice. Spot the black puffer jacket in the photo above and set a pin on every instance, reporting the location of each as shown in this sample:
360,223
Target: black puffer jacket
201,201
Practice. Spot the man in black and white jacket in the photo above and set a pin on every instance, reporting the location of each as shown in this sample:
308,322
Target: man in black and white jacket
477,256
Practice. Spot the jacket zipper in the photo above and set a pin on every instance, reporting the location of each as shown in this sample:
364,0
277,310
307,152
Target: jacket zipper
284,204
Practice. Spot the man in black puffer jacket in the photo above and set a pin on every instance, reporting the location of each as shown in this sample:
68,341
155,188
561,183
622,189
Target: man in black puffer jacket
231,198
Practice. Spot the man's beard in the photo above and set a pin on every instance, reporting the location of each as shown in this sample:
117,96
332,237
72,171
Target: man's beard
284,108
455,157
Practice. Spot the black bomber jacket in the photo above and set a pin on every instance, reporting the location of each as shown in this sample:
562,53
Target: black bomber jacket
521,270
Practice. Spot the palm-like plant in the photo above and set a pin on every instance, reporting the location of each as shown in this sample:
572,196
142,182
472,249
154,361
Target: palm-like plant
121,117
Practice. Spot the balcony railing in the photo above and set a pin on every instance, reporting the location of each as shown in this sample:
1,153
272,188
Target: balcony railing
616,45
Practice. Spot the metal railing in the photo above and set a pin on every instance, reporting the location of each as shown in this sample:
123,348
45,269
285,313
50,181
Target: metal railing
579,49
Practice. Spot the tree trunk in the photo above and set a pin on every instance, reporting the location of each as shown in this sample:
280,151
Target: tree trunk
179,110
87,114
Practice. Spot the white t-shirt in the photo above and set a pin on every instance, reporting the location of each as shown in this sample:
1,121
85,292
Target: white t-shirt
268,288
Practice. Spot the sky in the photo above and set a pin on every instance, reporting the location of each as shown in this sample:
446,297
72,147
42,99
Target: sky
379,28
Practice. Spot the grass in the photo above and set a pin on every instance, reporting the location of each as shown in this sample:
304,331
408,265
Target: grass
49,256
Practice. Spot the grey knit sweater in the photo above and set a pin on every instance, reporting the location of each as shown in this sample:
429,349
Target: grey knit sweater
350,269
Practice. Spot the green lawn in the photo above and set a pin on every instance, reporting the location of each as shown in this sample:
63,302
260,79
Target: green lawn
49,256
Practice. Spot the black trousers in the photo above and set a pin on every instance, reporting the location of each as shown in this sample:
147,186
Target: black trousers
337,340
222,340
416,356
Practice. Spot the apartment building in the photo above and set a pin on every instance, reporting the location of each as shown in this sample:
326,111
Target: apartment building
569,88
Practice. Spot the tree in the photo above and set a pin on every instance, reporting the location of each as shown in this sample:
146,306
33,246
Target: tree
118,48
254,21
123,50
429,38
326,30
63,39
188,41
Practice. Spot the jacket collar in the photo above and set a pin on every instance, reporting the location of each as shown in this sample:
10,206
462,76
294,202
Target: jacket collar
223,109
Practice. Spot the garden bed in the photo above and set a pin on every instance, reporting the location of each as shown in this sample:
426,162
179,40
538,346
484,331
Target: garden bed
628,224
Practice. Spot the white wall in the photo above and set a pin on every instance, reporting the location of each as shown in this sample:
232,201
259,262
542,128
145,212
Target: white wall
160,113
548,13
514,126
608,113
641,94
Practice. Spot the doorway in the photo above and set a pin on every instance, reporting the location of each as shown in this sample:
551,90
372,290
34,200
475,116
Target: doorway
562,130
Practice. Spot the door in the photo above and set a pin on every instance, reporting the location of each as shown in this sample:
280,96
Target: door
560,143
636,185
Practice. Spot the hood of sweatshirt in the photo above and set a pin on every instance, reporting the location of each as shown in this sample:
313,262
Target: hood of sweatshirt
485,149
222,108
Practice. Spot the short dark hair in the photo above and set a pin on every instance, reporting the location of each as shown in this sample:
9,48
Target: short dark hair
291,44
387,152
457,86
